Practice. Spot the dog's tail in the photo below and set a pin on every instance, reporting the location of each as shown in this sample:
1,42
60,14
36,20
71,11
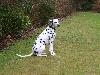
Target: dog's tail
25,55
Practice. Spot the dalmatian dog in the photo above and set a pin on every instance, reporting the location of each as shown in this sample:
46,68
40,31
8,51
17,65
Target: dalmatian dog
46,37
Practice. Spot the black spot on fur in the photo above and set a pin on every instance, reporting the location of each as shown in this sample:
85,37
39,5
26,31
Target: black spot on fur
46,29
51,42
49,38
44,41
40,42
45,33
52,36
48,32
35,52
40,39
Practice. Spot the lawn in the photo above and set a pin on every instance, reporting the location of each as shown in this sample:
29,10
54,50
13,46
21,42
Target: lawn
77,47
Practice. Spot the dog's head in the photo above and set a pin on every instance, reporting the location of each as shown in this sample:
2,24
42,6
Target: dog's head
54,23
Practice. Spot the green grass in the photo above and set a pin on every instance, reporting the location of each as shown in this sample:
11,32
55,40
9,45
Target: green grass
77,48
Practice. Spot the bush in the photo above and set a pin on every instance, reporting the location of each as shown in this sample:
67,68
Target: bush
87,6
12,23
46,11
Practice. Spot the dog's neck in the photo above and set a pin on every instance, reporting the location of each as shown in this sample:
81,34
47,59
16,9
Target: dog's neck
52,27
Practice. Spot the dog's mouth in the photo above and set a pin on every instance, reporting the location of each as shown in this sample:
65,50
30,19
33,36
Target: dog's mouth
58,25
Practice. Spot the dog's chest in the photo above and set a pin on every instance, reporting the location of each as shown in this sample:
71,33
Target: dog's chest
46,35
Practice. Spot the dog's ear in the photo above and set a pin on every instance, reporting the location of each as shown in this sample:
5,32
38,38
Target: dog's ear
50,20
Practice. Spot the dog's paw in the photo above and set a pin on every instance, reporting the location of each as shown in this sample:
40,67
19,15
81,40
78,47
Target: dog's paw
42,55
53,53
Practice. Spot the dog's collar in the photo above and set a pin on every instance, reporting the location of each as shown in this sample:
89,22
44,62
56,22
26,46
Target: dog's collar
52,27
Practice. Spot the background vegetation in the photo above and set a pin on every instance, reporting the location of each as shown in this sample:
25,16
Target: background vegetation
77,43
19,16
37,13
77,47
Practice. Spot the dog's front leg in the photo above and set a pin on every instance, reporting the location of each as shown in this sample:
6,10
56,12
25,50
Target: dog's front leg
51,48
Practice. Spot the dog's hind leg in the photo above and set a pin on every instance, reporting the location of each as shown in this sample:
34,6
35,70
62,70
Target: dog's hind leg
41,51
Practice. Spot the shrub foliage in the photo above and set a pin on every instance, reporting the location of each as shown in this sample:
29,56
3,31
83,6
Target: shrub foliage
46,11
87,5
17,15
12,21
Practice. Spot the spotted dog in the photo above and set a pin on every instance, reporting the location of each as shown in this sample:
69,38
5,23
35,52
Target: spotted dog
46,37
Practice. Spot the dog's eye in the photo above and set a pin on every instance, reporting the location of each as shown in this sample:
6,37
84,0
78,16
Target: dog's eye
55,22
